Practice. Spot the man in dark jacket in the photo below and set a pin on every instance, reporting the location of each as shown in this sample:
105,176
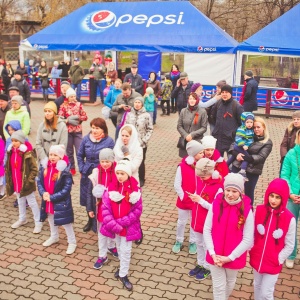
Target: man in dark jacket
250,98
22,85
124,103
182,91
135,80
228,119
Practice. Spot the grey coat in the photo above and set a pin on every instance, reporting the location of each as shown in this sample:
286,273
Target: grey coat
45,138
142,121
186,126
122,100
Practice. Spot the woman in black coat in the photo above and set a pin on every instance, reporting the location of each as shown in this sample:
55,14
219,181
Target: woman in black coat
258,151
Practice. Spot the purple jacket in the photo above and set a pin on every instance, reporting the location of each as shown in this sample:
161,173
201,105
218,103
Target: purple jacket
111,226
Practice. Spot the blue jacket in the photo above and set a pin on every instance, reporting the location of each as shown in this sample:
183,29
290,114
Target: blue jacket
244,136
61,198
88,159
111,97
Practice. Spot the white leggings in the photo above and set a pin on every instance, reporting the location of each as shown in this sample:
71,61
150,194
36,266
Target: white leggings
68,228
201,251
183,217
124,251
223,281
264,285
33,205
104,242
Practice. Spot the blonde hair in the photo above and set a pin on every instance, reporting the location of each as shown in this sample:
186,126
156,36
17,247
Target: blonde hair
128,129
264,125
297,140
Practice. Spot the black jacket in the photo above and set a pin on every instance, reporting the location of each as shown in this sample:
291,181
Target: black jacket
61,198
250,99
182,95
258,154
227,122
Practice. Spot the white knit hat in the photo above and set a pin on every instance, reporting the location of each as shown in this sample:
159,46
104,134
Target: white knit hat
209,142
19,136
193,148
235,181
70,92
124,165
59,150
18,99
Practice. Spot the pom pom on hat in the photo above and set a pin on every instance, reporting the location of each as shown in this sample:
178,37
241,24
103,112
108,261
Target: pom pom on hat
52,106
125,166
107,154
209,142
98,190
19,136
205,167
235,181
193,147
70,92
59,150
61,165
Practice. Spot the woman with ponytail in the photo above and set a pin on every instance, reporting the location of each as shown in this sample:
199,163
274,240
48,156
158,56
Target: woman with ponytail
228,235
192,122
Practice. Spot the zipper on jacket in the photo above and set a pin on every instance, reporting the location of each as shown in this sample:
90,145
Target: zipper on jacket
266,239
16,171
198,207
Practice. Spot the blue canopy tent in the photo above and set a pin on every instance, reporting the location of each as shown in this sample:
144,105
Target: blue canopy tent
279,38
168,26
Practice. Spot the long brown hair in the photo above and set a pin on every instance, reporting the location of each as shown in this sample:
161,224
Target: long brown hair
51,124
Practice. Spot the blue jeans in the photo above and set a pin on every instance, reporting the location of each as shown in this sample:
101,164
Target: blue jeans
98,84
77,86
249,185
45,91
232,158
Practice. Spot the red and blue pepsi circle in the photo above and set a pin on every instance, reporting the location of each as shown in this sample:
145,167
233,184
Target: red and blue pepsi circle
101,20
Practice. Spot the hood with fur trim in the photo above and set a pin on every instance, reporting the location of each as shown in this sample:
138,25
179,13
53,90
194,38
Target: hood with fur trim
278,186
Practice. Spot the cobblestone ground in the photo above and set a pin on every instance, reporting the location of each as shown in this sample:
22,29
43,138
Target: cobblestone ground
30,271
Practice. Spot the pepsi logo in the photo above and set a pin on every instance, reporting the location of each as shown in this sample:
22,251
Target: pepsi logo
200,49
101,19
280,97
261,48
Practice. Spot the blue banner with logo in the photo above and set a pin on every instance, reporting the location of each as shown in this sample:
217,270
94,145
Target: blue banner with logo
154,26
279,37
280,98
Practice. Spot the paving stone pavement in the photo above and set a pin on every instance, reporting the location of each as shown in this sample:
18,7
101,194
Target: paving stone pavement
30,271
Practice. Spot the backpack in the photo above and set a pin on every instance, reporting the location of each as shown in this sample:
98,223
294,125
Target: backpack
212,111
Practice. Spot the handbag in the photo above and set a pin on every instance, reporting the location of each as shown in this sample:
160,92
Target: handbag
181,144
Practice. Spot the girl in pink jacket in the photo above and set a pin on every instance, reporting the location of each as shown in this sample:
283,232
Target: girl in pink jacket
228,235
2,173
275,229
185,184
209,185
121,212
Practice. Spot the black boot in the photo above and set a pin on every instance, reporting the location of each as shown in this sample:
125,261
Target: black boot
126,283
88,225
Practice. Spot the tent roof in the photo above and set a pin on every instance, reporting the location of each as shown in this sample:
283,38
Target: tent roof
167,26
279,37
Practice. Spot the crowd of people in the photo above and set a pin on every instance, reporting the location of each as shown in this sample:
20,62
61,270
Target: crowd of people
215,180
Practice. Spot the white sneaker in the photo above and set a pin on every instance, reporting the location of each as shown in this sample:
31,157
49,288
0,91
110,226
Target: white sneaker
50,242
289,263
18,224
71,248
38,227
